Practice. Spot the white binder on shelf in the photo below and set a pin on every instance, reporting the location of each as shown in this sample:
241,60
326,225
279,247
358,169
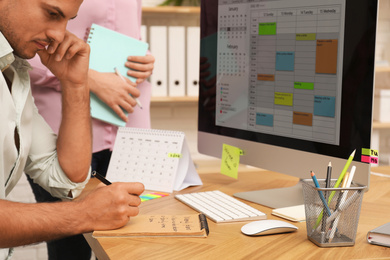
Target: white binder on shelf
160,159
176,61
193,49
158,47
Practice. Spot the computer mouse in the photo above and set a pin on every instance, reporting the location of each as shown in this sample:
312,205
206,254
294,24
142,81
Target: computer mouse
267,227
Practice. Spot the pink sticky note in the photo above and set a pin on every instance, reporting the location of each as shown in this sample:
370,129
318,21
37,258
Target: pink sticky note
374,160
365,158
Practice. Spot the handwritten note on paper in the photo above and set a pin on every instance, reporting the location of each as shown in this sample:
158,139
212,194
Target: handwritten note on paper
158,225
230,160
173,223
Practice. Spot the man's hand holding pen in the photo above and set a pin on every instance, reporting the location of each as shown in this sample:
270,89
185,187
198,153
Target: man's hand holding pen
111,206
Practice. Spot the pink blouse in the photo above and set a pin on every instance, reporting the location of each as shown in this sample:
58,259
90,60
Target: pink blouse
123,16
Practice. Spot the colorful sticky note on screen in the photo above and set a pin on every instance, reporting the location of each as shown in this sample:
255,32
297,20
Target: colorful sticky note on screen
230,160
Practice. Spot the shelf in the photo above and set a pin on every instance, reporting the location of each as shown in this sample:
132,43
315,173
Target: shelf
173,100
380,125
382,69
171,10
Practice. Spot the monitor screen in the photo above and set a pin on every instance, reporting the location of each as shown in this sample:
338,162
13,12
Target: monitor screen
290,82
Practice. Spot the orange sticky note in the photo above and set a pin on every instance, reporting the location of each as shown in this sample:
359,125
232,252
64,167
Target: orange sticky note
326,56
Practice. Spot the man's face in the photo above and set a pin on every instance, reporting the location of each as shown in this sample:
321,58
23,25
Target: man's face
30,25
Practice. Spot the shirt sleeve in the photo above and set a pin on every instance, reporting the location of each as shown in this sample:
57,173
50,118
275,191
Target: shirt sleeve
43,165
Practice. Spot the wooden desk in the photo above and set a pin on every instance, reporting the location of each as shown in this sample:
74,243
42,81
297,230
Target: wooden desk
226,240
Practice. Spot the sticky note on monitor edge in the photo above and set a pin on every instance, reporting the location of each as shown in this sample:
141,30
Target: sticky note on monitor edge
230,160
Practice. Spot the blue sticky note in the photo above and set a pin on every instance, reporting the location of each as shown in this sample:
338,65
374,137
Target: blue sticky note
324,106
264,119
285,60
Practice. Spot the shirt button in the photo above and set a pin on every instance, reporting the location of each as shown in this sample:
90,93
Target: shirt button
9,57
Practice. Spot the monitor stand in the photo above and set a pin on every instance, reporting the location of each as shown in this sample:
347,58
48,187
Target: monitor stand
275,198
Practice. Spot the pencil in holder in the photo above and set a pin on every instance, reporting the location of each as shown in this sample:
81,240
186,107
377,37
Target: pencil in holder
334,223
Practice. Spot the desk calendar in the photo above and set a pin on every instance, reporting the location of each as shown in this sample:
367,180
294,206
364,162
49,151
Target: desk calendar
159,159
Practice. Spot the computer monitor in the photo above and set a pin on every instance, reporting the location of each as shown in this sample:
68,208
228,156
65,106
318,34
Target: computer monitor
290,82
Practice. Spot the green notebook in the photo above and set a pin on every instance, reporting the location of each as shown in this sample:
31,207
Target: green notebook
110,49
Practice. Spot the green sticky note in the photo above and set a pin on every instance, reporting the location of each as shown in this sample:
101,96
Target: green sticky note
174,155
366,151
304,85
267,28
230,160
370,152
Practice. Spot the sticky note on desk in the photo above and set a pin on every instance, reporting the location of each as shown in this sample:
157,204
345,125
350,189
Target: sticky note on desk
153,195
230,160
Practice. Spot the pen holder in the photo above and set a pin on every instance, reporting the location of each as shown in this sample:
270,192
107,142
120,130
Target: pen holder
335,224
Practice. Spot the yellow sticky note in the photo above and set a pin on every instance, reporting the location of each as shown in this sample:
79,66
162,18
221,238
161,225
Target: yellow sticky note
174,155
284,99
230,160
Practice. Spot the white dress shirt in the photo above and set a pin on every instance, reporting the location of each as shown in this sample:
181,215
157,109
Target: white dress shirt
36,155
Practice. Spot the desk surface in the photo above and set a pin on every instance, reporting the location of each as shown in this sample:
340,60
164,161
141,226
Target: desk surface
227,242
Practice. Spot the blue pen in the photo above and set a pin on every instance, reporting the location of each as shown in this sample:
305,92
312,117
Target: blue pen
313,176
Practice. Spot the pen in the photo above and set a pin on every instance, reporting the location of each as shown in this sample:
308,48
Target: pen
120,75
348,202
313,176
344,182
328,175
343,185
327,185
100,178
342,202
337,184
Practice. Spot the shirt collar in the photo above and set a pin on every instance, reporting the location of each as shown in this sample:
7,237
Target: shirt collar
6,55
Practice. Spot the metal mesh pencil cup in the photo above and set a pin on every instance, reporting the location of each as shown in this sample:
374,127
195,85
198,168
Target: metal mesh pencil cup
335,225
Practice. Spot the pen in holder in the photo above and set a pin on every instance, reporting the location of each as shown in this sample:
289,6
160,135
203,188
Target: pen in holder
339,228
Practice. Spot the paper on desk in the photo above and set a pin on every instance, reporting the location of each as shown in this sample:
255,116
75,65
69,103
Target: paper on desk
187,174
190,225
293,213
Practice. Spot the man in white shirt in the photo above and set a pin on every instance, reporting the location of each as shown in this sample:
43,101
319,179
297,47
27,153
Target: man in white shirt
27,144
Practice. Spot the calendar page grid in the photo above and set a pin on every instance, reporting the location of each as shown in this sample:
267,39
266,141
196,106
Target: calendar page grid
146,157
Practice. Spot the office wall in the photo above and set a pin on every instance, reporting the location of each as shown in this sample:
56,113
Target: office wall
383,36
381,134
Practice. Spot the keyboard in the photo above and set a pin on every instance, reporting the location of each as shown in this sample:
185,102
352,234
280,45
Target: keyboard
220,207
